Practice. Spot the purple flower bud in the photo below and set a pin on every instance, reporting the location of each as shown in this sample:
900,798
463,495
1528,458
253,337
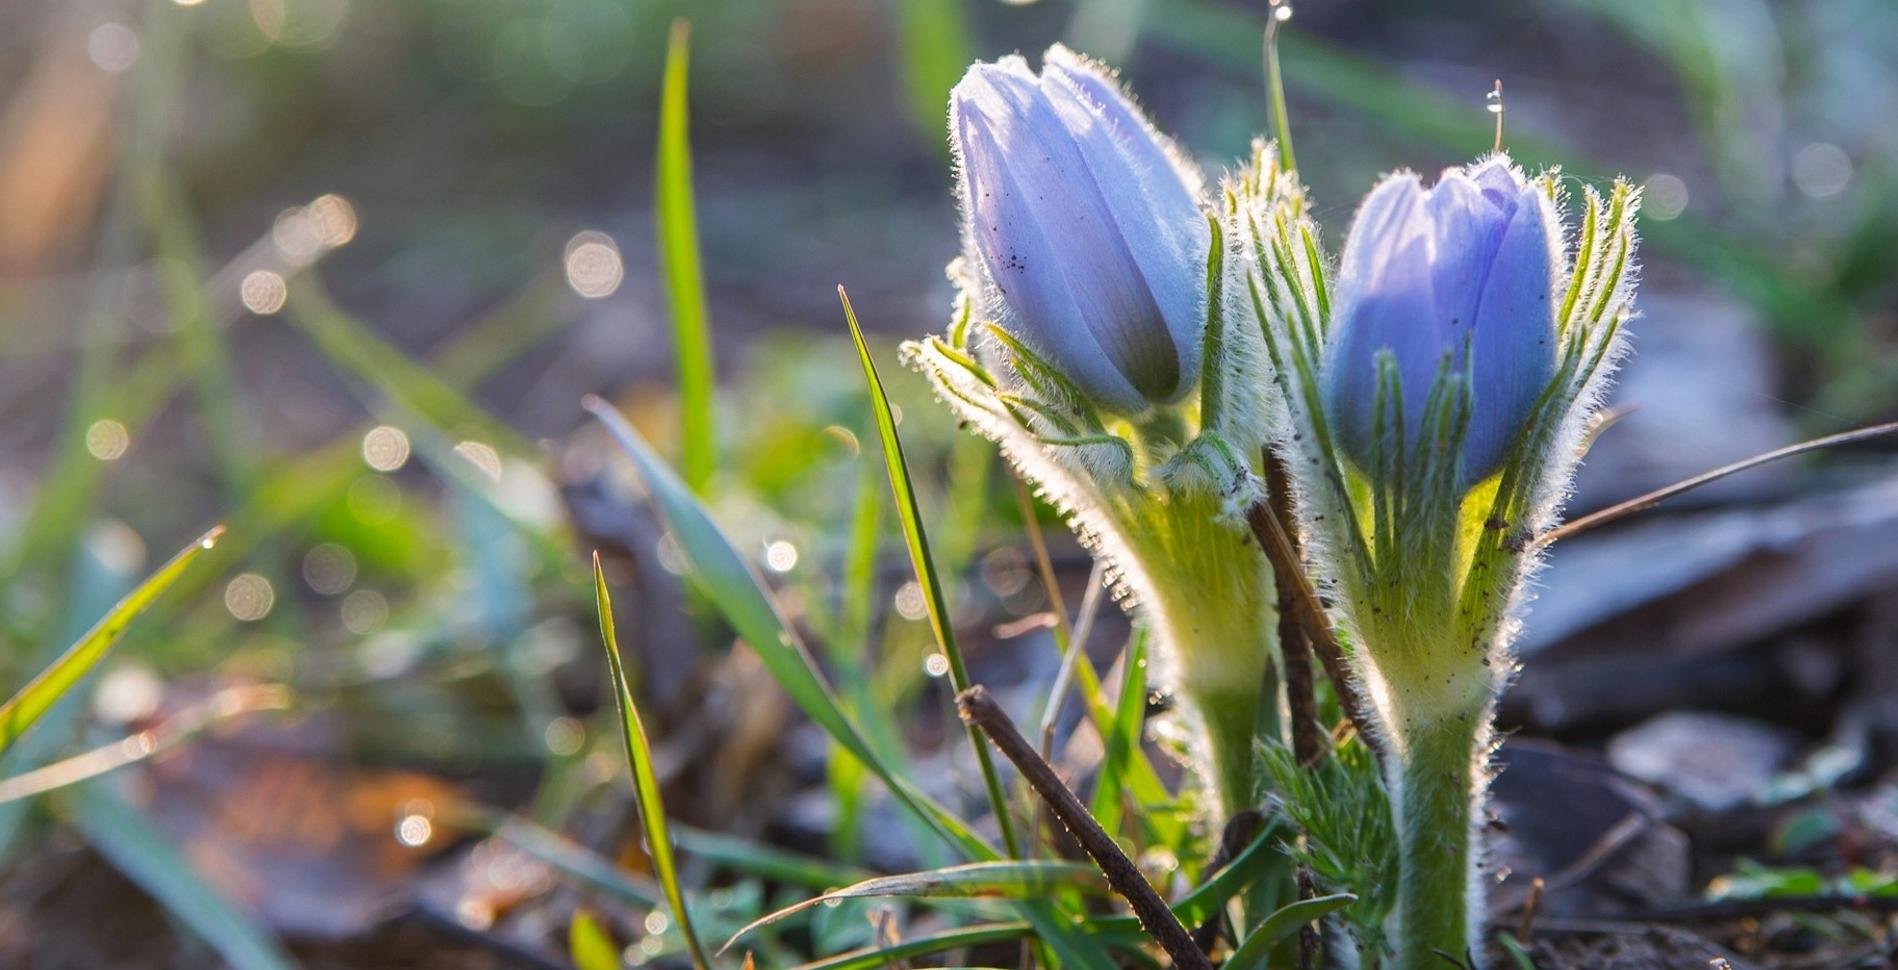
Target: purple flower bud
1464,272
1083,227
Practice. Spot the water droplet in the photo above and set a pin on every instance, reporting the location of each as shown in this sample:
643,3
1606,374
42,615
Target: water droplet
1494,101
1282,12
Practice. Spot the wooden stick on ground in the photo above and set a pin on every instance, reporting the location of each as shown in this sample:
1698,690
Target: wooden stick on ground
980,710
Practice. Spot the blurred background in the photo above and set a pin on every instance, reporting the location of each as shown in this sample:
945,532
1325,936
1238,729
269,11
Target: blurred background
337,273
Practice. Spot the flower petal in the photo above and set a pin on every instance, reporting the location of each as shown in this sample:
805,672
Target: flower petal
1514,343
1036,219
1154,208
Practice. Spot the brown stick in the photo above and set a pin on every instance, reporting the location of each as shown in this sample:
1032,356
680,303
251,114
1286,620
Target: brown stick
1660,495
981,711
1289,570
1308,744
1310,944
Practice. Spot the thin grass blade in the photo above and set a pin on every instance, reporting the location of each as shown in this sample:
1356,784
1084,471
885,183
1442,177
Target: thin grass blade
734,587
917,539
32,702
652,809
561,853
678,230
589,945
134,846
933,43
1124,739
1253,953
993,880
764,861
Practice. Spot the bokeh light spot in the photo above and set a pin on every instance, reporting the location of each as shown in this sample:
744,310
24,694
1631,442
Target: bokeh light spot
329,568
1821,170
249,597
364,612
909,601
780,556
594,269
107,439
1663,196
263,292
113,47
385,448
483,456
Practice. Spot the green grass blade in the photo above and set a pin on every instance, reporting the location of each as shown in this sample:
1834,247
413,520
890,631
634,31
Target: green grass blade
355,348
734,587
1129,715
563,854
678,232
764,861
933,43
914,536
1517,953
147,856
1003,880
876,958
652,809
1252,954
32,702
588,944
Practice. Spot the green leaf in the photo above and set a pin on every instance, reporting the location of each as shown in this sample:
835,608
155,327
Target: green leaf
1257,947
1129,715
876,958
568,856
734,587
354,347
678,232
1010,880
589,945
147,856
768,862
917,539
652,809
933,42
32,702
1517,955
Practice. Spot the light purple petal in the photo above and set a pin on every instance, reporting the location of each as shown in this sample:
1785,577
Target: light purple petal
1461,272
1515,333
1091,239
1022,185
1390,217
1156,213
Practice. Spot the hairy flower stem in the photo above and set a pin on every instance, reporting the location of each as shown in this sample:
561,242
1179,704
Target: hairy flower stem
1209,597
1438,794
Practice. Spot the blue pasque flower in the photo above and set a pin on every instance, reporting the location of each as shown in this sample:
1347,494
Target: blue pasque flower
1458,279
1468,311
1084,229
1097,341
